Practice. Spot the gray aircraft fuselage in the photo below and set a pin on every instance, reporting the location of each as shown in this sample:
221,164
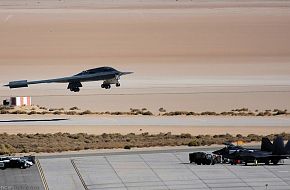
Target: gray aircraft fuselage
107,74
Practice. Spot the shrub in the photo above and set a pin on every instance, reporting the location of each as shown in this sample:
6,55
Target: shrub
86,112
6,149
147,113
74,108
127,147
64,141
194,143
43,108
280,112
186,135
4,112
57,112
71,113
32,112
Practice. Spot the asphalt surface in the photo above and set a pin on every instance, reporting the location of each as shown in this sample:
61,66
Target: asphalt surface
147,121
18,179
158,170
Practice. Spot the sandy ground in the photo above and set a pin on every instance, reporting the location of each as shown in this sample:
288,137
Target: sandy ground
186,55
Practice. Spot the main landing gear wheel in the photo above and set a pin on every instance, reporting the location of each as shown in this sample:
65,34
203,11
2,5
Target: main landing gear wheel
106,86
118,84
77,89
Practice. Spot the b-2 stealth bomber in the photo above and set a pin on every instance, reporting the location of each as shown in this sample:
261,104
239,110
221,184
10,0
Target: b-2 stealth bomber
108,75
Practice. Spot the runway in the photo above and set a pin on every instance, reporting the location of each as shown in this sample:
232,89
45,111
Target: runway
283,121
97,124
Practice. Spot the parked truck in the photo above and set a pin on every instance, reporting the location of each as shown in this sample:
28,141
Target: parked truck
203,158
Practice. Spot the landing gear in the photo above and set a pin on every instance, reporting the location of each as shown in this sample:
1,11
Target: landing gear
106,86
118,84
275,162
76,89
74,86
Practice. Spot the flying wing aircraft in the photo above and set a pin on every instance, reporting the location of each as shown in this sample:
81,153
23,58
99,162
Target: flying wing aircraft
108,75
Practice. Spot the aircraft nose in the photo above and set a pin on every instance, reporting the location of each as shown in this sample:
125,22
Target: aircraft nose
125,73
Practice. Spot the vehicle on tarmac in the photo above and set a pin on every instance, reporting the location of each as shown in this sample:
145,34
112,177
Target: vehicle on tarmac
15,162
30,159
269,152
2,165
18,163
203,158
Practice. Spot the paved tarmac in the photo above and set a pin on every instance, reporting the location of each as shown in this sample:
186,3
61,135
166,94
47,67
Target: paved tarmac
20,179
158,170
145,121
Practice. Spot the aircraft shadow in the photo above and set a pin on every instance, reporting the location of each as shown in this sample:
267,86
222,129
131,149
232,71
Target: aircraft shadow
31,120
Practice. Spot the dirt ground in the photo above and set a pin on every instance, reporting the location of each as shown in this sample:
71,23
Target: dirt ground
185,55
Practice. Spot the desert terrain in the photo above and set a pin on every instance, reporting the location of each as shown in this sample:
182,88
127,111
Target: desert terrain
185,55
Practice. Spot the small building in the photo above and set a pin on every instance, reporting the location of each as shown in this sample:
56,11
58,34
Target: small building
18,101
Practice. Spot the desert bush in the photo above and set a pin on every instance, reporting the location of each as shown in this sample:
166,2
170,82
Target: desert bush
86,112
261,114
185,135
57,112
194,143
4,112
32,112
254,137
127,147
280,112
192,113
18,112
119,113
209,113
42,108
147,113
6,149
70,113
64,141
74,108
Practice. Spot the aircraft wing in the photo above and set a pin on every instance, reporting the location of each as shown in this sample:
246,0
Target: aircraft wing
25,83
57,80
